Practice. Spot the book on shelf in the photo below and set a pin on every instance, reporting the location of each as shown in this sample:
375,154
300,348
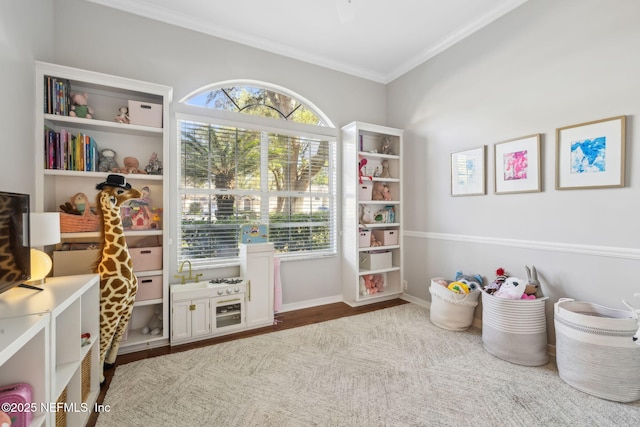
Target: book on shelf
57,96
65,151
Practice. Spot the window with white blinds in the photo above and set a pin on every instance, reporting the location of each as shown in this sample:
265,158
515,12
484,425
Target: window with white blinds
232,175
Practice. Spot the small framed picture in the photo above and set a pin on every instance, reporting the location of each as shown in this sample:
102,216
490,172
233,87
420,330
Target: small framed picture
468,172
591,155
517,165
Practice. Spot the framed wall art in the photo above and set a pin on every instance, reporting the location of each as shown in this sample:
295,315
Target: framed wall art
468,172
517,165
591,155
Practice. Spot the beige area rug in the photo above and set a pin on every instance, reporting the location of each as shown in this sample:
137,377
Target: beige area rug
390,367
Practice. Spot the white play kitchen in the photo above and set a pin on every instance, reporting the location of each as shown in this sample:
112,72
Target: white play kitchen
207,308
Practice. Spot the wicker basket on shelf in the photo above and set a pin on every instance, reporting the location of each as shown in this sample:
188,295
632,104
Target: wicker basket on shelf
70,223
61,415
85,379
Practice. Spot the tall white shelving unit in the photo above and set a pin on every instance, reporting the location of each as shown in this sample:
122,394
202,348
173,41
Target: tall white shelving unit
41,345
54,187
384,217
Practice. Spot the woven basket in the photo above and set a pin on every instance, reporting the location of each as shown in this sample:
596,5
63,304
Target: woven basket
595,351
515,330
85,376
86,222
450,310
61,415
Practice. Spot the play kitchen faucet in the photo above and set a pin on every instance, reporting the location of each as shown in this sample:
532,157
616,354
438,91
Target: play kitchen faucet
183,279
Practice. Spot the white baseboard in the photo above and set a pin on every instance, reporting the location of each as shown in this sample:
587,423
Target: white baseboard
310,303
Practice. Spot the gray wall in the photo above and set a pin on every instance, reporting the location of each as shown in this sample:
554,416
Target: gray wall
26,28
547,64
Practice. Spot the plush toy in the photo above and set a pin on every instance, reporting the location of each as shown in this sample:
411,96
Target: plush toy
371,284
385,169
374,242
155,324
385,147
107,162
386,192
512,288
458,287
131,165
155,166
533,284
367,215
377,191
473,282
501,276
123,115
79,107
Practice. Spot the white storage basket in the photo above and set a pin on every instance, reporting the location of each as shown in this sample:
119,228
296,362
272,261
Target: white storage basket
595,351
515,330
450,310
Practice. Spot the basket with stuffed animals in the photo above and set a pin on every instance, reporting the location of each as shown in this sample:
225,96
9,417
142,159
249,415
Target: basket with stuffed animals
597,349
514,325
453,302
76,216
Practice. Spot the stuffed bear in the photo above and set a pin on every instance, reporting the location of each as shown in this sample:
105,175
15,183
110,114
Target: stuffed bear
79,107
155,324
377,193
107,161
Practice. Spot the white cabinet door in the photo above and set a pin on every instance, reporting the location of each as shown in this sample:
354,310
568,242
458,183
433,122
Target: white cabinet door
180,320
200,317
257,268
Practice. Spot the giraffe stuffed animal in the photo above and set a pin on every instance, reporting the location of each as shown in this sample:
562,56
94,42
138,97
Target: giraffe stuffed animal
118,284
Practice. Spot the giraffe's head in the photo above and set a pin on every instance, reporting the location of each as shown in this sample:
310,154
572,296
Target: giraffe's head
116,191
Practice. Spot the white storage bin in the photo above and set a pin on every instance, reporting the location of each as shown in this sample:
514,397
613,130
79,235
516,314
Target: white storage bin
387,237
145,114
365,190
450,310
515,330
595,351
375,260
364,238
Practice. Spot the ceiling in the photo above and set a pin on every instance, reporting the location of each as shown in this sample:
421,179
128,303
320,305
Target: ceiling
377,40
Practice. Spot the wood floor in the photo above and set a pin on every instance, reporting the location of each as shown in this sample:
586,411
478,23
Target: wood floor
287,320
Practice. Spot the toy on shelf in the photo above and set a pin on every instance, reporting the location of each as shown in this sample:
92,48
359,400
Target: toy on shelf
131,165
371,284
138,214
79,107
385,169
107,162
154,167
123,115
155,324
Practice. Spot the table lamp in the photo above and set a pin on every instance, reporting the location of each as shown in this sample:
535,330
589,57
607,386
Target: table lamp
45,230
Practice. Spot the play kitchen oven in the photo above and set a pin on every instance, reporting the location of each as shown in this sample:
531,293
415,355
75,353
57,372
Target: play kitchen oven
228,304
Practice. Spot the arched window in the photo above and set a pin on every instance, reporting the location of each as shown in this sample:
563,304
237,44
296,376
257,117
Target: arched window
254,154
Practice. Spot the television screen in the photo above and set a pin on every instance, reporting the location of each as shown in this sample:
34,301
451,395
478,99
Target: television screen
15,260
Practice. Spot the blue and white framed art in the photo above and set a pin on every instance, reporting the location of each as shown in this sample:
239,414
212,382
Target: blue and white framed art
468,172
591,155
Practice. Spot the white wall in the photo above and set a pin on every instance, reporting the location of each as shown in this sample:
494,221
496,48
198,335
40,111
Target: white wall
547,64
26,27
97,38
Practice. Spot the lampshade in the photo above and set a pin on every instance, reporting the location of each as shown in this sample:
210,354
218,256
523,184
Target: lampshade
45,230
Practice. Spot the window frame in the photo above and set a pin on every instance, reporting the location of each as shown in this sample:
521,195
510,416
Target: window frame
214,116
